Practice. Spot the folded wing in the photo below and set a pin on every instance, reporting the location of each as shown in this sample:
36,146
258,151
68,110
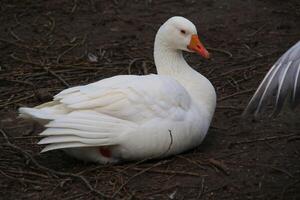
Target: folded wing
102,113
281,81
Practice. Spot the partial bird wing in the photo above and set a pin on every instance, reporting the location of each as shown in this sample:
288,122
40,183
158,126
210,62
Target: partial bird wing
100,113
84,128
282,79
128,97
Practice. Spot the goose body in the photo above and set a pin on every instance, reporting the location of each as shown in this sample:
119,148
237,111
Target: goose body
283,80
131,117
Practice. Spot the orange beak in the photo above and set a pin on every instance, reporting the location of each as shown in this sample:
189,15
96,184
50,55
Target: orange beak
196,46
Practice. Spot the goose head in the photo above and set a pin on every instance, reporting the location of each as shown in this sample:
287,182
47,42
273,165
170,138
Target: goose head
178,33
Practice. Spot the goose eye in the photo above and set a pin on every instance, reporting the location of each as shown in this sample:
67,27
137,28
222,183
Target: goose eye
182,31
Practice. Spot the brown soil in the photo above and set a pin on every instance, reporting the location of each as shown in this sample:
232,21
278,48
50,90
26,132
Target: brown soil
44,47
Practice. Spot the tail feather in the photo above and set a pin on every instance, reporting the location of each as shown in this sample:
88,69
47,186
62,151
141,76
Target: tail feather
49,111
71,132
85,125
77,128
55,146
84,128
35,114
68,139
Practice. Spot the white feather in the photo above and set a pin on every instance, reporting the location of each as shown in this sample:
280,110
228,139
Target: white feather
55,146
68,139
267,87
66,132
283,77
296,82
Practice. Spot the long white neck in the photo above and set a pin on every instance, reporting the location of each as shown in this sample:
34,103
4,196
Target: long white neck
172,63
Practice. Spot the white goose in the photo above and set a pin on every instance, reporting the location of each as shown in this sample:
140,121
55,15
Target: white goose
283,79
131,117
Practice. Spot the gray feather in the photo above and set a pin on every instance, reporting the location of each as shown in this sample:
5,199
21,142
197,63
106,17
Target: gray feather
283,79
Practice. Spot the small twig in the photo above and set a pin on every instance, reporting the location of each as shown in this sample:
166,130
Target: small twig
294,138
283,34
144,66
77,196
231,108
220,50
251,60
255,52
66,51
28,173
251,67
131,64
235,94
169,187
26,137
219,165
256,31
136,175
195,162
173,172
234,83
52,25
215,189
262,139
262,165
234,71
74,7
202,189
23,179
210,72
93,6
17,101
276,169
24,61
232,154
57,76
15,35
287,187
23,46
17,20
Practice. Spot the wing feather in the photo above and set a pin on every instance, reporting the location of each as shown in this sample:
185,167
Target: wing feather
282,89
65,145
99,114
68,139
84,128
127,98
296,87
69,131
282,78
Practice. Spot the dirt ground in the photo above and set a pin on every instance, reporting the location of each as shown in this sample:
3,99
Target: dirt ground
45,47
